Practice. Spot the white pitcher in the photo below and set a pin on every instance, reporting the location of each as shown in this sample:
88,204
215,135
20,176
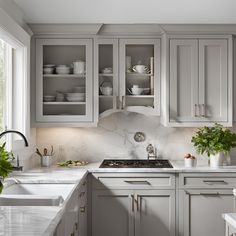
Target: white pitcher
79,67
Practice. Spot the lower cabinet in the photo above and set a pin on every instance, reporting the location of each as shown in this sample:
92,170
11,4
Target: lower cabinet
112,213
155,213
133,213
201,211
203,198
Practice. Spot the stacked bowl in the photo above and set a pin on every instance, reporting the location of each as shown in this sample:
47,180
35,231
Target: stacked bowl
75,97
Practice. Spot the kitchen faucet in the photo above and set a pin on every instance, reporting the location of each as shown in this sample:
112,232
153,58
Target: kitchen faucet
151,152
15,132
18,167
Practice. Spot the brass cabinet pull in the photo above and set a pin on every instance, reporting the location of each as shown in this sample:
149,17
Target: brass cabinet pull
123,102
137,202
132,197
202,110
195,110
137,182
209,194
210,182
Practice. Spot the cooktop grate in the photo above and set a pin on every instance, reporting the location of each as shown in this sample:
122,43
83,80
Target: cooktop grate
141,163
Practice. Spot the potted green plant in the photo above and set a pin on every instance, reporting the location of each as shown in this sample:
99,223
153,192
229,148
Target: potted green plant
5,164
215,141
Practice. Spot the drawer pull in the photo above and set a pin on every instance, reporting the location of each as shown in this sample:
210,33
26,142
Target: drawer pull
210,194
137,182
132,197
210,182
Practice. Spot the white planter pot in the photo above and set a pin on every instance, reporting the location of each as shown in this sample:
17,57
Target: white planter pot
216,160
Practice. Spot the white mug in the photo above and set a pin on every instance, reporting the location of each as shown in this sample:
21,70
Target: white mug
79,67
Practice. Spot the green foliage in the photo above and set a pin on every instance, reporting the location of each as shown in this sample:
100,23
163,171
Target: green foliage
5,164
212,140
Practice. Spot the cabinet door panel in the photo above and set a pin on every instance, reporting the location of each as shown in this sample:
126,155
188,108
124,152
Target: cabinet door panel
156,214
213,79
112,213
183,80
201,211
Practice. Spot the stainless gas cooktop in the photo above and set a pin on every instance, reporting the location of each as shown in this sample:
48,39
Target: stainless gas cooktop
141,163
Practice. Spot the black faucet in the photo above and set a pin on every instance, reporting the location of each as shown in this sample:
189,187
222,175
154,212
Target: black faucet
15,132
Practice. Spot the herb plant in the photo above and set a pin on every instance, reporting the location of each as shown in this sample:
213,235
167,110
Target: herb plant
213,140
5,164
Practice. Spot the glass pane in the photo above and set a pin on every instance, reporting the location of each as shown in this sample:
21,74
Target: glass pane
105,77
140,75
64,80
2,85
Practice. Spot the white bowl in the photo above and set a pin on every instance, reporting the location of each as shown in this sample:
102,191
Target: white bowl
63,70
75,99
75,94
137,91
49,98
48,70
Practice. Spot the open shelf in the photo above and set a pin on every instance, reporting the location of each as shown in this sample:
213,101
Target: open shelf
105,74
64,75
104,96
64,103
140,96
138,74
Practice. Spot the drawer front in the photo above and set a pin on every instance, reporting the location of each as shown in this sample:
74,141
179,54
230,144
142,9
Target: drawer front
216,180
131,181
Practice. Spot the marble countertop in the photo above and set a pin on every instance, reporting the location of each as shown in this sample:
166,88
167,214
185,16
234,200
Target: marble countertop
24,221
230,218
37,220
29,220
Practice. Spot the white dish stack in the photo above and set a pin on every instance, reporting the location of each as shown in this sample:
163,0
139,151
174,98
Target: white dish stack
75,97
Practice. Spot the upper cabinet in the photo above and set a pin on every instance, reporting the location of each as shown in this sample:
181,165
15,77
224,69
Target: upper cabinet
199,85
140,63
106,76
127,74
64,82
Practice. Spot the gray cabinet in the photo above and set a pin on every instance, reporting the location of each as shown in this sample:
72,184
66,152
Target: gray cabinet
202,201
200,82
145,206
54,106
155,215
112,213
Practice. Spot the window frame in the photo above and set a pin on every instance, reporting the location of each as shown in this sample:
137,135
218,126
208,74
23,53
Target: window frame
19,40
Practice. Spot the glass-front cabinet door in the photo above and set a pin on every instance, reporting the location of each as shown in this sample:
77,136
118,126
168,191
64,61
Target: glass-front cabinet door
139,61
64,81
106,75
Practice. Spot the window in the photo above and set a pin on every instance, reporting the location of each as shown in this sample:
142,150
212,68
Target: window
5,86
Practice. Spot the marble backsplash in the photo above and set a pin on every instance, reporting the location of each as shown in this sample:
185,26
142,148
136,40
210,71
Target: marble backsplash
114,138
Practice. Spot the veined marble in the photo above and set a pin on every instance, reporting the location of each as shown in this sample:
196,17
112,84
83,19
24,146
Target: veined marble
24,221
29,221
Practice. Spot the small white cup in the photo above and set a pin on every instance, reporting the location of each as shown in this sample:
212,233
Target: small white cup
190,163
46,161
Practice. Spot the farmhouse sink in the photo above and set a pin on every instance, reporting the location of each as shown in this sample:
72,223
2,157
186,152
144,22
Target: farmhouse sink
35,194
